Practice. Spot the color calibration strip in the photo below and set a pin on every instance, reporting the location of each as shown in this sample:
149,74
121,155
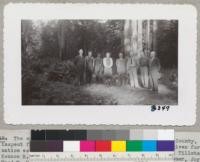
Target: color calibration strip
102,141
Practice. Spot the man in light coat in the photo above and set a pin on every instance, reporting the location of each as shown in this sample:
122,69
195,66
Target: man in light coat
154,69
132,66
144,69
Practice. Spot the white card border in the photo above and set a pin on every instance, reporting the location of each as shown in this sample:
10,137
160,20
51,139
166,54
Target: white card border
183,114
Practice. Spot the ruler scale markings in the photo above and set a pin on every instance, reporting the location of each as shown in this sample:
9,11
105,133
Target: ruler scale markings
168,156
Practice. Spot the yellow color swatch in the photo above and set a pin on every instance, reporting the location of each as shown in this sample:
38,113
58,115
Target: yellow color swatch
118,146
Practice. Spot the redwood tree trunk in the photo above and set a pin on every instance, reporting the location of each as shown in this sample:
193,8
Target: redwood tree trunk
133,36
61,40
155,26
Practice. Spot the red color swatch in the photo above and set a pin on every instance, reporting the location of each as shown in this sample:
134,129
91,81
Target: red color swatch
103,146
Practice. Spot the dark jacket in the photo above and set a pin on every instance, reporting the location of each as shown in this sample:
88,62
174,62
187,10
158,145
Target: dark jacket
79,62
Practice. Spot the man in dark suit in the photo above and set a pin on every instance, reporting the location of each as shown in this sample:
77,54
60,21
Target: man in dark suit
89,63
80,66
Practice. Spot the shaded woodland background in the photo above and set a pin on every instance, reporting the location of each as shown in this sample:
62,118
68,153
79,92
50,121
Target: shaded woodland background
49,47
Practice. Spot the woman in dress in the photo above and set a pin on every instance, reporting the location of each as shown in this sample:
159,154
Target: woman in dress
107,63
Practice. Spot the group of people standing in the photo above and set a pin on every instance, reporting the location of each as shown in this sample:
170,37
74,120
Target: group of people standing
146,63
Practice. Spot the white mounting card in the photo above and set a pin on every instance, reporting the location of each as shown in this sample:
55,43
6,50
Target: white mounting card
131,106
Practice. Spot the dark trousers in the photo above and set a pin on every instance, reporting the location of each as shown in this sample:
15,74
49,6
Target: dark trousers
88,76
122,79
80,76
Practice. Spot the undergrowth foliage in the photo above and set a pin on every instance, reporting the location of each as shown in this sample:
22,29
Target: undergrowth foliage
49,75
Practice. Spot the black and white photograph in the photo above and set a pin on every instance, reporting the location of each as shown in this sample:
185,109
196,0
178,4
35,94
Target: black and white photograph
99,62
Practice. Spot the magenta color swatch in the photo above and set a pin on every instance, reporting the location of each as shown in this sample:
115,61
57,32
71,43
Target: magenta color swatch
87,146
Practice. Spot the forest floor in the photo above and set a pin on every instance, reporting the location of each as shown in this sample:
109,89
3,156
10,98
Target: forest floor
56,84
60,93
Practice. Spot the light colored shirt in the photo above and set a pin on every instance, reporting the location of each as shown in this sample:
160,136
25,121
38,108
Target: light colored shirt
108,62
132,63
121,65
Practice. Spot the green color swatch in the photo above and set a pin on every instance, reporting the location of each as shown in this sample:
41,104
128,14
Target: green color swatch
134,145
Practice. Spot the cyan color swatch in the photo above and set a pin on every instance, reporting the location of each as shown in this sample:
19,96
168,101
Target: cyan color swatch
149,145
